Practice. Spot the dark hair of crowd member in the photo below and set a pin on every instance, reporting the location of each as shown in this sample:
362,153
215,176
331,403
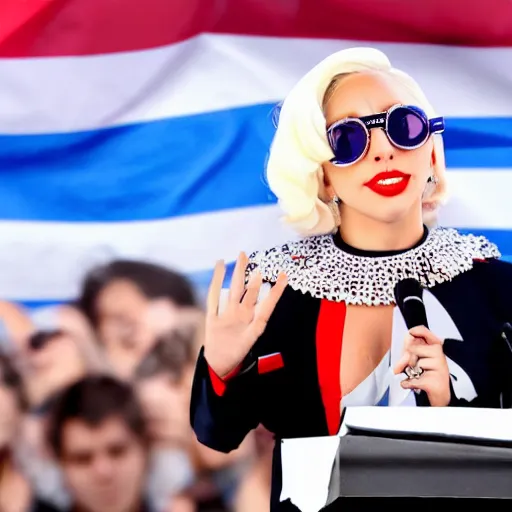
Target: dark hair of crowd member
170,355
10,378
154,281
94,400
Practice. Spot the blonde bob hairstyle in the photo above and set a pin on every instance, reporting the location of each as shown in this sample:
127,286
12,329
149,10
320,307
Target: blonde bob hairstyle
300,146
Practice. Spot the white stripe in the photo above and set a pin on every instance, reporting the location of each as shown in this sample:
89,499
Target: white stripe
65,251
41,260
479,199
212,72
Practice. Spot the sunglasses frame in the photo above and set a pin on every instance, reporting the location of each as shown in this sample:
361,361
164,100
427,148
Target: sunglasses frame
381,120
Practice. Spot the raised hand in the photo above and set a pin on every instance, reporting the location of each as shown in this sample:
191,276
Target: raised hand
230,334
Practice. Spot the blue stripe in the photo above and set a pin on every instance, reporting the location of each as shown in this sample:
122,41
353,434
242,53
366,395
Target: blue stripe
178,166
478,143
384,401
33,305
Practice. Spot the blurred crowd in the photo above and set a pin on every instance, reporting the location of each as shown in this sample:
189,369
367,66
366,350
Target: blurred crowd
94,404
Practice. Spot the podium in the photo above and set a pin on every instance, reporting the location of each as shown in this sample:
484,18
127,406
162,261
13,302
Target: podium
403,456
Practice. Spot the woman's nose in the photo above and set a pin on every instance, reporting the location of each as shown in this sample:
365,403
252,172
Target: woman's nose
381,149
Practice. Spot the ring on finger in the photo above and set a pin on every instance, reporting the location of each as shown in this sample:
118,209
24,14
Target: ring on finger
414,372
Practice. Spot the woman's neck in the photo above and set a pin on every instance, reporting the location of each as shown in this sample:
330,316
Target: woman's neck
365,233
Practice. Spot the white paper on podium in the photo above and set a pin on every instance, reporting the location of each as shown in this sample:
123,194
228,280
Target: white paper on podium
488,424
307,463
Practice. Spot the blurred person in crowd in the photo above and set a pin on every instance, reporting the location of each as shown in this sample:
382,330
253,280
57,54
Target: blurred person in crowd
16,494
130,303
16,324
253,493
97,432
67,318
163,381
37,463
53,360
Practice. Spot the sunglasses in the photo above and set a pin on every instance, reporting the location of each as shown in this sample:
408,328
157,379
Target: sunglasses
406,126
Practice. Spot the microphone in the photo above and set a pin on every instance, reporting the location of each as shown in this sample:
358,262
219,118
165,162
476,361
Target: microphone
409,299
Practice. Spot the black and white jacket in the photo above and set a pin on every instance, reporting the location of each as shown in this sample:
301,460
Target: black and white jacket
290,382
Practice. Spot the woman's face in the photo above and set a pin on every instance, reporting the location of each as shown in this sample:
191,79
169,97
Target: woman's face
364,94
122,327
129,323
166,404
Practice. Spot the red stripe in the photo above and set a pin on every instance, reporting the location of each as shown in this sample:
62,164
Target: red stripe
329,336
35,28
452,22
45,28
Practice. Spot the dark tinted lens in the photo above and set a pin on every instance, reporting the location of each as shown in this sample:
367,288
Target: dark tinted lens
348,142
407,127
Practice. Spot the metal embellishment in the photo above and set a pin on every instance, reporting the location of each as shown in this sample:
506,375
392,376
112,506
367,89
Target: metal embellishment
414,372
315,265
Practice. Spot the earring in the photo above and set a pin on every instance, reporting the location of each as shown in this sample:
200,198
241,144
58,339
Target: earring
334,207
433,179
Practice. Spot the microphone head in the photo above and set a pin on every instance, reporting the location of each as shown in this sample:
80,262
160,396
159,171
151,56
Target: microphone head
407,288
409,299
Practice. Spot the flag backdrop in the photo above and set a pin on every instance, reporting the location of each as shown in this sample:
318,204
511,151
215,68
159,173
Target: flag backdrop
141,128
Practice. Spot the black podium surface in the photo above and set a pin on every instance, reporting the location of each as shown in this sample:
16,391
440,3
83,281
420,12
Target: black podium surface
400,471
438,462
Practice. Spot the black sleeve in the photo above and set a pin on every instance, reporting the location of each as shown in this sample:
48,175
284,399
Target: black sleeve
221,422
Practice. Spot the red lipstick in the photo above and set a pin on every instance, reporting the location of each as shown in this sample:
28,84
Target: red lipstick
389,183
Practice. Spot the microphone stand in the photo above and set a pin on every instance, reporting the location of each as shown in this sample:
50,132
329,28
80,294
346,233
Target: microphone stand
506,366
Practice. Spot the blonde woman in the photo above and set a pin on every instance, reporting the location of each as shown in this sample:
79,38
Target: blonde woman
358,167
